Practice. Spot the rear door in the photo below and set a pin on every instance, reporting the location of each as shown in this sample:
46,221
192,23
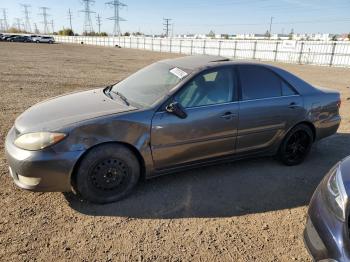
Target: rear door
268,107
210,127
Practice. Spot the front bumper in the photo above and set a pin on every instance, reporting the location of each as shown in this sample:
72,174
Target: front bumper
44,171
325,236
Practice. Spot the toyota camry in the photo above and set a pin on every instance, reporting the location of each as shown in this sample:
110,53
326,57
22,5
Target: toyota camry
169,116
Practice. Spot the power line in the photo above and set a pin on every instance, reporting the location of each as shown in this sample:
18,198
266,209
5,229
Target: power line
117,5
45,15
99,23
27,25
166,26
88,28
70,19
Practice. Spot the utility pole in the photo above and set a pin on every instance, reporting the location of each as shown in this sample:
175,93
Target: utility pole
166,26
36,30
271,21
70,19
88,28
117,5
18,23
27,25
52,26
98,18
45,15
4,18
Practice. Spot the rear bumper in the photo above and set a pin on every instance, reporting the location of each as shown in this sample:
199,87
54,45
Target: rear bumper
325,236
44,171
328,127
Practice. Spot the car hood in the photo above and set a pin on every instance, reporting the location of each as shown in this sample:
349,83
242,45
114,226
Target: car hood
61,111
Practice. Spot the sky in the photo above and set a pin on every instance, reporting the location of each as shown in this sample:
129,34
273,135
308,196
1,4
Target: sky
196,16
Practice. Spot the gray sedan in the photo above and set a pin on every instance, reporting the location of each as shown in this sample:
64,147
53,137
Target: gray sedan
326,235
172,115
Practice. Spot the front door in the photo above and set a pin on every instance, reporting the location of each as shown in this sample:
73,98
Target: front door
210,128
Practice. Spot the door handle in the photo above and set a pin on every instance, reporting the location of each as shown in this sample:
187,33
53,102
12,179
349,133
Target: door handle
293,105
228,115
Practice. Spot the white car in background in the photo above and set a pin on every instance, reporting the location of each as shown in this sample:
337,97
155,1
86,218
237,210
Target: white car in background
43,39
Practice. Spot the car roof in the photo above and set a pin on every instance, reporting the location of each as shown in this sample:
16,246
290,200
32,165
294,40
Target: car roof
199,62
194,62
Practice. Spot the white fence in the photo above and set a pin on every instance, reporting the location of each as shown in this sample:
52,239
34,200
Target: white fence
302,52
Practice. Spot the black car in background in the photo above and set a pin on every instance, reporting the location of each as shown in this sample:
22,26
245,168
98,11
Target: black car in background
20,38
6,37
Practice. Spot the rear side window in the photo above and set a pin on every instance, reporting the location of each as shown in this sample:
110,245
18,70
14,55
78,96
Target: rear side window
258,82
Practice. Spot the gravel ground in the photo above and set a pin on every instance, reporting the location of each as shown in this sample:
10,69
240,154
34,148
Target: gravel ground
252,210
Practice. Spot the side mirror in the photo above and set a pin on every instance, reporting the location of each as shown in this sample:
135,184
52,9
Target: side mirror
176,109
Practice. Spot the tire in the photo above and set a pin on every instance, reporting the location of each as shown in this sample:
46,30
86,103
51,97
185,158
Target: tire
107,174
50,42
37,42
296,145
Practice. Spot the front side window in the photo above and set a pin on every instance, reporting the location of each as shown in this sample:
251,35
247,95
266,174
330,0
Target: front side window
213,87
258,82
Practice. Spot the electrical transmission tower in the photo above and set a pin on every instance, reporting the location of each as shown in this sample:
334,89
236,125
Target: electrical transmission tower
88,28
70,19
4,19
2,29
166,26
99,23
27,26
45,15
117,5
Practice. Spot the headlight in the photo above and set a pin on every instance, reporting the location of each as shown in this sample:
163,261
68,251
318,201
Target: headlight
37,141
335,193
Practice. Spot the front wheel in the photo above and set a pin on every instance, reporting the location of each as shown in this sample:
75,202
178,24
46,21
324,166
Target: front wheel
107,173
296,145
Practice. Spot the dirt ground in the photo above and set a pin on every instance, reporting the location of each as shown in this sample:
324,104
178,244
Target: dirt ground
252,210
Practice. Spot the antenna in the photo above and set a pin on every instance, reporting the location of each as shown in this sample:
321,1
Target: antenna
70,19
98,18
45,15
117,5
87,10
27,25
166,26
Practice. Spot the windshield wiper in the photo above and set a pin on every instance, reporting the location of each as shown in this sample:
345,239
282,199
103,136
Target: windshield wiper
122,97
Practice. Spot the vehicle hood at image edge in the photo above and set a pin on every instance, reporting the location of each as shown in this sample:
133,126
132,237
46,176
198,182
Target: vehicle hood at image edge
55,113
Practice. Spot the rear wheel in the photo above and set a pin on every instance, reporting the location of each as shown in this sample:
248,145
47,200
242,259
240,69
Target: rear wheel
296,145
107,173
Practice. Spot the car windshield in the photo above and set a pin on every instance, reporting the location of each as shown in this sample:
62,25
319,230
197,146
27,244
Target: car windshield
150,84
